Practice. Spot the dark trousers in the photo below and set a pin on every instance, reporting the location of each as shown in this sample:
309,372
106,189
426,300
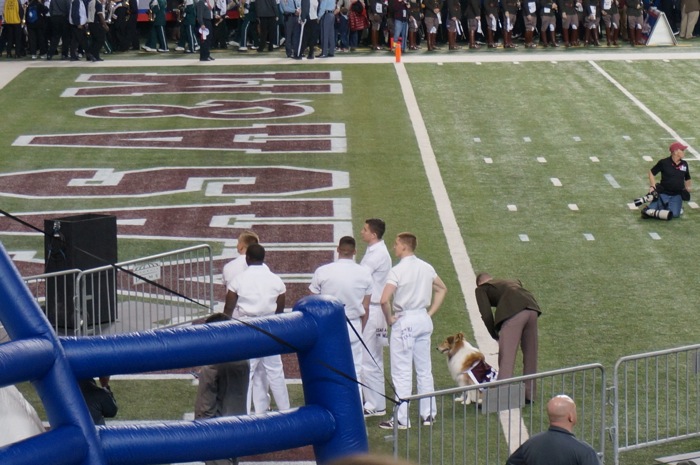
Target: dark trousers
309,37
268,34
97,39
14,39
292,31
60,31
78,40
36,40
205,45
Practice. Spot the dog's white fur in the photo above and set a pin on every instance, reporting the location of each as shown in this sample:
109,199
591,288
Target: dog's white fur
461,356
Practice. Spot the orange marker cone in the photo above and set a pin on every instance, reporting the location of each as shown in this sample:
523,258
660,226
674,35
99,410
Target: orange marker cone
397,51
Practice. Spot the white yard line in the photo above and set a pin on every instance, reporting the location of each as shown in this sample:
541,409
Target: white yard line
645,109
458,251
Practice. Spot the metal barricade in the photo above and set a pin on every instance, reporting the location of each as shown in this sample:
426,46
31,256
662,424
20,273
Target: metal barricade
489,431
656,398
159,291
54,292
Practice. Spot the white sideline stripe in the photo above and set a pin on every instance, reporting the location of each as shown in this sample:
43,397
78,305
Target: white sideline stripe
458,251
611,180
646,110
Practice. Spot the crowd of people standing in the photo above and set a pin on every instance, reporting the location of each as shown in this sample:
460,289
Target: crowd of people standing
321,28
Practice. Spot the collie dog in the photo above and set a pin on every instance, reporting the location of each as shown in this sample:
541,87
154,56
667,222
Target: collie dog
467,365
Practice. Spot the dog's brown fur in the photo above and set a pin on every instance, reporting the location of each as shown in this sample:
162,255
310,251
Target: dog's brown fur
461,356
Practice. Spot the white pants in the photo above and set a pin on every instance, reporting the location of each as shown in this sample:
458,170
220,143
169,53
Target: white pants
356,346
372,371
410,345
272,367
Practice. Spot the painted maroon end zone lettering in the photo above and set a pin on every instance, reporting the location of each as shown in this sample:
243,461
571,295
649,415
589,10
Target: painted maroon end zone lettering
120,85
272,108
267,138
254,181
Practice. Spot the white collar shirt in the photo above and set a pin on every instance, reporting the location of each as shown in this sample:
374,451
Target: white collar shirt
257,289
232,269
413,279
345,280
378,261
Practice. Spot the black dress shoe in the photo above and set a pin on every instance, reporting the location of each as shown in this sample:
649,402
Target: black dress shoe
210,58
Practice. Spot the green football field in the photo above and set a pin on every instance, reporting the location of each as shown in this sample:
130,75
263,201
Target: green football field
522,167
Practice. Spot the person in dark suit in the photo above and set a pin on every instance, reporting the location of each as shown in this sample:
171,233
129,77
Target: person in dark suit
100,400
222,390
513,323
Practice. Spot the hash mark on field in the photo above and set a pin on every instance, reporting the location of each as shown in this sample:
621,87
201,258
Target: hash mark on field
611,180
542,159
527,139
626,137
647,158
512,208
692,205
577,139
632,206
573,207
488,160
588,236
556,182
477,139
594,159
524,238
654,236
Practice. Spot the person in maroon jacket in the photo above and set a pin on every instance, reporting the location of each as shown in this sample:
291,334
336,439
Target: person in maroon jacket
513,324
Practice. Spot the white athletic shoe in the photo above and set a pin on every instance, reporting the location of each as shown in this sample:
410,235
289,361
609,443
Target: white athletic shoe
242,49
163,50
147,48
179,49
370,412
390,425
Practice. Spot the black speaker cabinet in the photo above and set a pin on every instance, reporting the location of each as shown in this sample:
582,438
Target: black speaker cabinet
84,242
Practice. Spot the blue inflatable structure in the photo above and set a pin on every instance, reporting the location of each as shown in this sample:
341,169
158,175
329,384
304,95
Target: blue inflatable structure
331,419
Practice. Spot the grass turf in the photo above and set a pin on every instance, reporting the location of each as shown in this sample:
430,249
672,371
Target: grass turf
619,294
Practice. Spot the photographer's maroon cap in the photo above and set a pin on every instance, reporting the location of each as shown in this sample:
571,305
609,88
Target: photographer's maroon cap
677,146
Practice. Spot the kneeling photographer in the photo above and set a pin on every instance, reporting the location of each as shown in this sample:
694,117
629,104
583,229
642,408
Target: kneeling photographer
668,195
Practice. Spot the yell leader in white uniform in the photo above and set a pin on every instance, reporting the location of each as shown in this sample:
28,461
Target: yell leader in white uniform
378,261
412,283
259,292
352,285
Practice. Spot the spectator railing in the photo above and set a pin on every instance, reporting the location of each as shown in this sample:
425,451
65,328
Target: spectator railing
487,433
656,398
153,292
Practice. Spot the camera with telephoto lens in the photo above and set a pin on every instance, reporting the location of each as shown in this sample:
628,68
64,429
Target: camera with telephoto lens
653,195
659,214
